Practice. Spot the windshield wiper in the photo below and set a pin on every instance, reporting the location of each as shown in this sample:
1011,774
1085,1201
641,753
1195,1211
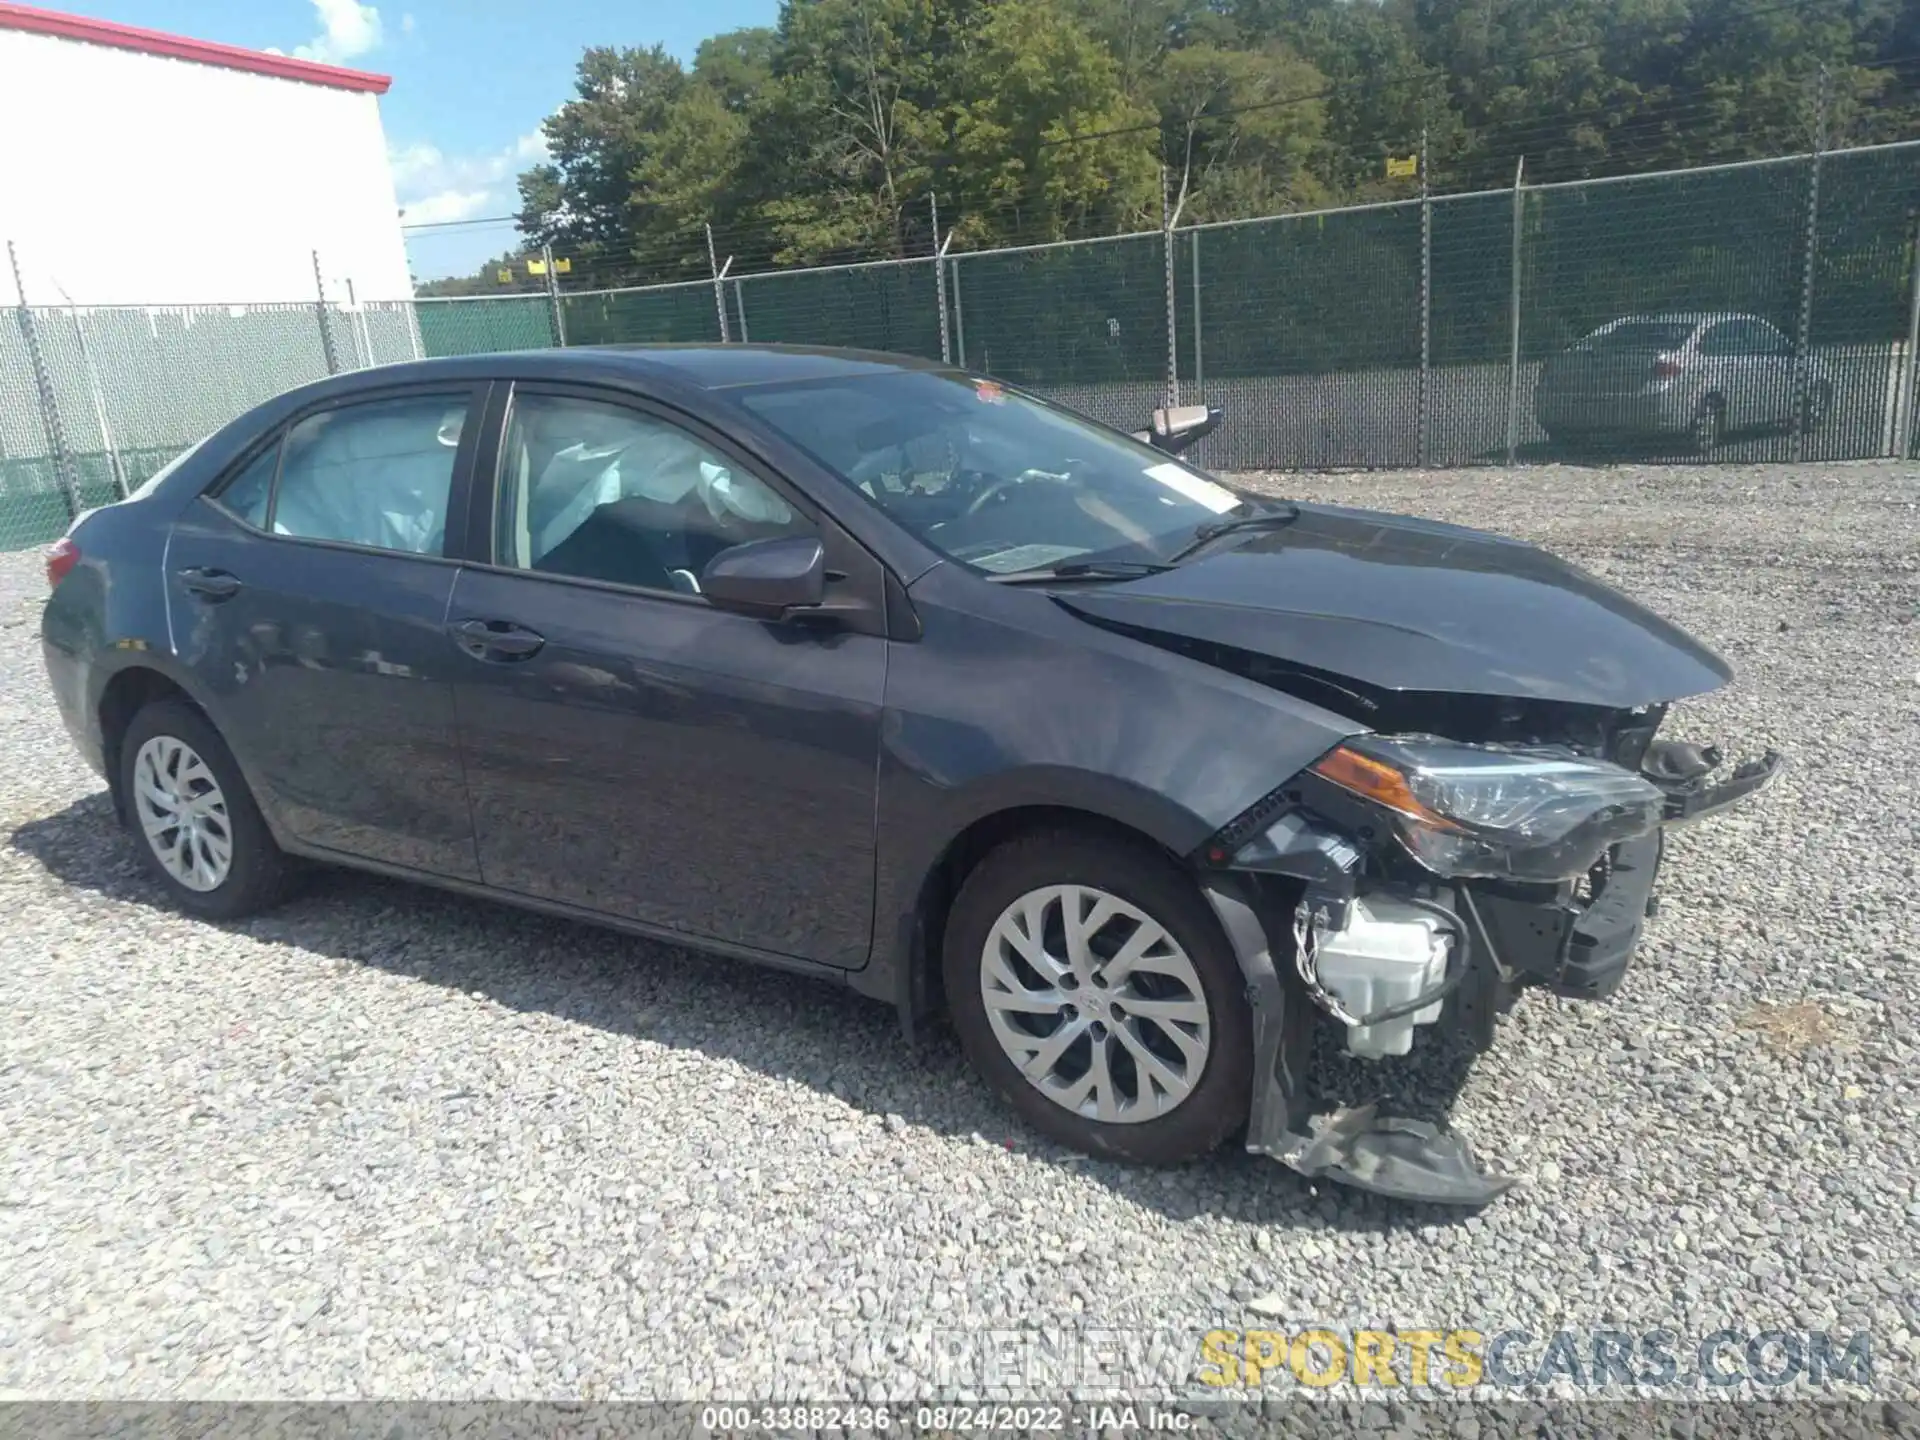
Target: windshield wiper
1242,517
1081,570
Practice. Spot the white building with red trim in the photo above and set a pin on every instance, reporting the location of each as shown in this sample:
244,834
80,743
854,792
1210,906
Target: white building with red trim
140,168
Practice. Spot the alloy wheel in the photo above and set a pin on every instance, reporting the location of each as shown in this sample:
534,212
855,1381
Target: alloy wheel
1095,1003
182,813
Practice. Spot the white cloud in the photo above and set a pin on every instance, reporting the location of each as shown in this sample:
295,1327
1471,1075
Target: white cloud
445,205
435,187
348,29
407,23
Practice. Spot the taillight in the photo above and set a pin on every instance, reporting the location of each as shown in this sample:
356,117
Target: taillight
62,556
1665,368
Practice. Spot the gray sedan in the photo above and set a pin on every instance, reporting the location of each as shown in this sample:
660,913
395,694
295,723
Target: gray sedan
1703,376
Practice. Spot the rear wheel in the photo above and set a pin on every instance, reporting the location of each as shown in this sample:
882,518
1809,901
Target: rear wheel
1709,426
1094,991
194,820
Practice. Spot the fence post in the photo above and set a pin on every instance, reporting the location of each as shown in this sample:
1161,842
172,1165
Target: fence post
1513,310
56,433
1910,363
1199,359
740,308
940,282
1803,336
1426,297
1173,325
362,332
320,311
556,319
115,470
940,278
959,315
719,289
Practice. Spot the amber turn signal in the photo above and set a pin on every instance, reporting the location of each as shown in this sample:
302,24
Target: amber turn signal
1378,782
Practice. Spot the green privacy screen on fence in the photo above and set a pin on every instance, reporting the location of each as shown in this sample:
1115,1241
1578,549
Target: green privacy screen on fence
871,307
1377,335
479,327
669,314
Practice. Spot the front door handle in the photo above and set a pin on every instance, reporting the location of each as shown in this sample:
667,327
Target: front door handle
210,584
495,639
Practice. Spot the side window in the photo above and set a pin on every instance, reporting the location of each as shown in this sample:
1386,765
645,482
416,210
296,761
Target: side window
378,474
602,492
248,492
1729,337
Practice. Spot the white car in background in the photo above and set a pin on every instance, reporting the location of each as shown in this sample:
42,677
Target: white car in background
1704,376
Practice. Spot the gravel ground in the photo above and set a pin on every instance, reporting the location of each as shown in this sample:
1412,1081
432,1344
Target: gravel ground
387,1142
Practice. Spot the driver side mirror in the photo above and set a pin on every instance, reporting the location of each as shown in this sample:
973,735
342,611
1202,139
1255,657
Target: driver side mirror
765,579
1173,430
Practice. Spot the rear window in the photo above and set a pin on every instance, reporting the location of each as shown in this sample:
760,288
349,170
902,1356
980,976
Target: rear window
1643,335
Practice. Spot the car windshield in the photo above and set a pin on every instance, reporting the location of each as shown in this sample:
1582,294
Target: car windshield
991,478
1642,335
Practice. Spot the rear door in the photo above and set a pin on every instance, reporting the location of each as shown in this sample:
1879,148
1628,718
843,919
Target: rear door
308,593
1751,365
1774,369
631,750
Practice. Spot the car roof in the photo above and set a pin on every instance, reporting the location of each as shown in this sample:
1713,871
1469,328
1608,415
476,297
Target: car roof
1689,317
700,366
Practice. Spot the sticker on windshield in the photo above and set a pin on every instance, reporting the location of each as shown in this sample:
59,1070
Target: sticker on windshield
1216,498
988,393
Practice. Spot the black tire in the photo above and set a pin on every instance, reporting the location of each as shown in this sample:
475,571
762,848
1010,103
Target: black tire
1217,1104
1709,429
260,874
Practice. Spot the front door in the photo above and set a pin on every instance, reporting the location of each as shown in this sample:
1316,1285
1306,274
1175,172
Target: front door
309,598
628,748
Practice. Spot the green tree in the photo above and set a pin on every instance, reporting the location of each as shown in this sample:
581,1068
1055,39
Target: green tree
1046,143
586,197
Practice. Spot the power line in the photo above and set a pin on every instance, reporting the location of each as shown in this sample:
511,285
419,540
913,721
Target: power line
450,224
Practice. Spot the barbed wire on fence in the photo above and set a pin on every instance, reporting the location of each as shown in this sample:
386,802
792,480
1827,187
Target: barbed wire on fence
1402,332
1663,130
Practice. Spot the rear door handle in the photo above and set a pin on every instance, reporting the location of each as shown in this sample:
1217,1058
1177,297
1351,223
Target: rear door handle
495,639
210,584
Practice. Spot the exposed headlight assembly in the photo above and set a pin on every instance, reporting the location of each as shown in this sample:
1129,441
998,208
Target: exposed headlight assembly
1495,812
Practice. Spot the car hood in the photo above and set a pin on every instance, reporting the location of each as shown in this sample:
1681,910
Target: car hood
1416,605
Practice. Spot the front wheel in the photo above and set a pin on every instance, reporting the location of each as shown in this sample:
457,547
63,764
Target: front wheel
194,819
1095,992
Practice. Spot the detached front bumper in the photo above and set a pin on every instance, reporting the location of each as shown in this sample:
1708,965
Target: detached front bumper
1573,941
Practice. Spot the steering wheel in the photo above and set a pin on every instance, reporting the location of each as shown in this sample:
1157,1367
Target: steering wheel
997,488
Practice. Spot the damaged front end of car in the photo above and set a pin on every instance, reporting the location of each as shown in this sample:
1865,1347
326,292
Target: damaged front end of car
1412,879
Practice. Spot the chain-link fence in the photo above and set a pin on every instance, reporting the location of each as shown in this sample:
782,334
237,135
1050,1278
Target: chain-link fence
1772,313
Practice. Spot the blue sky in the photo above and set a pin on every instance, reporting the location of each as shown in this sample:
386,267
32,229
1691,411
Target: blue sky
472,80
